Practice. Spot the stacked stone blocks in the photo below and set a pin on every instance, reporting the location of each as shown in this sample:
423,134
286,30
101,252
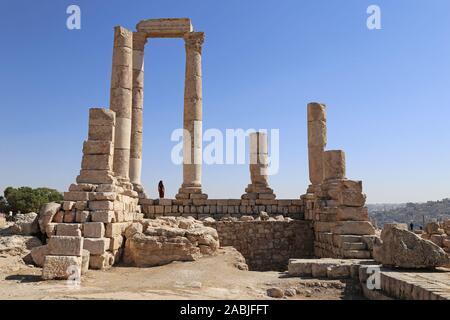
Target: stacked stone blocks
341,221
200,208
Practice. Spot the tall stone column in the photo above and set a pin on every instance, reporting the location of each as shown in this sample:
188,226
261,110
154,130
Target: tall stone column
259,161
139,40
192,119
317,140
121,101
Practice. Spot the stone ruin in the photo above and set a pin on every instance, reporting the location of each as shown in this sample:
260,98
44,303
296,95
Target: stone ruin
106,216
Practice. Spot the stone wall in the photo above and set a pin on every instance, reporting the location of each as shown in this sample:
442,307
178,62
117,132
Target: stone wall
267,245
217,209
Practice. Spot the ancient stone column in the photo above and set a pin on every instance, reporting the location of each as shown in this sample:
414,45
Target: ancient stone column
259,156
139,40
121,100
97,163
317,140
192,119
334,165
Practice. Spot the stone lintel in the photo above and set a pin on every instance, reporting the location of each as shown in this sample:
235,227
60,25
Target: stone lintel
165,28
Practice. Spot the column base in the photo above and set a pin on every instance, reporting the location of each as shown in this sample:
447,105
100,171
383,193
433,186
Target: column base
261,192
185,193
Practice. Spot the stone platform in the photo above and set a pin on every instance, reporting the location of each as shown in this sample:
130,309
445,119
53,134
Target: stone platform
394,284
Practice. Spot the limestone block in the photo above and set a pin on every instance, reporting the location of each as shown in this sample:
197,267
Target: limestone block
116,243
432,228
86,187
101,117
80,205
316,111
85,261
102,196
60,267
353,228
68,205
46,214
82,216
69,216
96,246
101,205
65,246
320,270
96,176
94,230
58,217
339,271
101,262
76,196
104,216
97,162
50,229
69,229
299,267
161,28
105,133
334,164
163,202
116,229
119,216
38,255
352,214
352,199
92,147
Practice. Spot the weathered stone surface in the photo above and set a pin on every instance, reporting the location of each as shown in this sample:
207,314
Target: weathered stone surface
65,246
94,230
96,246
69,216
165,28
98,147
352,198
18,244
69,229
354,228
102,216
275,293
432,228
85,261
334,164
60,267
38,255
164,241
26,224
404,249
101,262
46,214
352,214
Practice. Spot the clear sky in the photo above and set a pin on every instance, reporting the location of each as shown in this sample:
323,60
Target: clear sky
387,90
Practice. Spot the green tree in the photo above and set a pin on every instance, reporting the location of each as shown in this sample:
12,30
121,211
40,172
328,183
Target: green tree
26,199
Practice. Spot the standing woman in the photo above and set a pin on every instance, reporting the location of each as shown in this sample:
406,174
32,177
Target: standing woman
161,189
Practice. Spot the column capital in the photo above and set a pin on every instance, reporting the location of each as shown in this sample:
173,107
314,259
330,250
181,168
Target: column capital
194,41
139,40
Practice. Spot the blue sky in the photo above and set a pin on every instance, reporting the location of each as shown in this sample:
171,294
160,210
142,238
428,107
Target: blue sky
263,61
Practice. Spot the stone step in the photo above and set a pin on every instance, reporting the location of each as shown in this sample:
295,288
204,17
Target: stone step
354,246
356,254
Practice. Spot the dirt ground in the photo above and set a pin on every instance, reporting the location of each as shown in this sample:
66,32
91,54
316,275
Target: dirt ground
213,277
